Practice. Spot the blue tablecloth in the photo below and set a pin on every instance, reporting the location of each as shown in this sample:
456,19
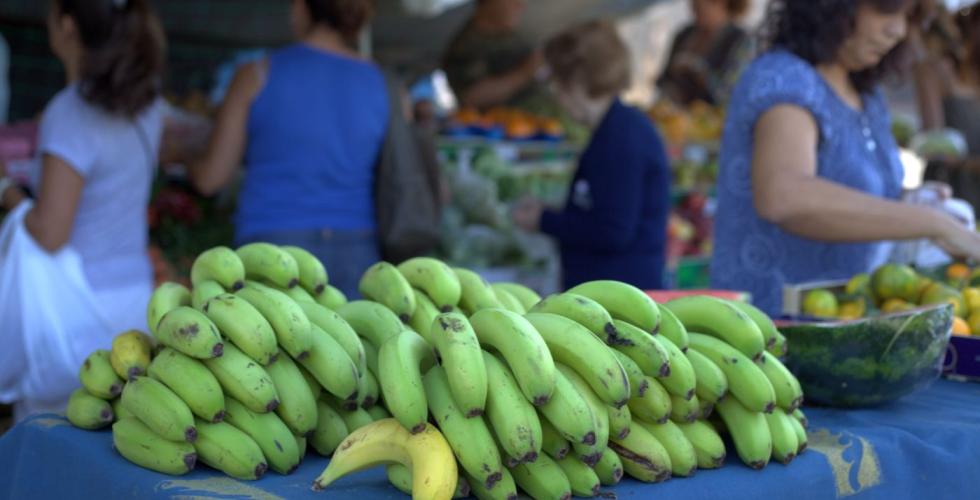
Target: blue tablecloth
925,446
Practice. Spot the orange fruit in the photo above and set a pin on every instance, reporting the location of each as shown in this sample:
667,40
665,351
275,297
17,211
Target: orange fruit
851,310
893,281
820,303
972,297
895,305
958,271
938,293
962,327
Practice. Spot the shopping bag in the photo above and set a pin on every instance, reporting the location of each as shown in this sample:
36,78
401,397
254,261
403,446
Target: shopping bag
49,317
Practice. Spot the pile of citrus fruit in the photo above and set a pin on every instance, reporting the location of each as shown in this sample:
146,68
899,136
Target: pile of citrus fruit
893,288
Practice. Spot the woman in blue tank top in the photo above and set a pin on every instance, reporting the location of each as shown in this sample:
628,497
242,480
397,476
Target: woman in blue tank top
308,121
810,176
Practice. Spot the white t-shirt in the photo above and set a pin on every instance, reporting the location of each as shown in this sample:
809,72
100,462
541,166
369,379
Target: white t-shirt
116,156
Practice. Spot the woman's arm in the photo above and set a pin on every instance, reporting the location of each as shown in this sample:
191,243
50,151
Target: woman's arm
51,219
788,193
227,146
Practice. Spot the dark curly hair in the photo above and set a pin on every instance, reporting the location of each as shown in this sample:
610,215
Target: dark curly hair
124,52
814,30
345,16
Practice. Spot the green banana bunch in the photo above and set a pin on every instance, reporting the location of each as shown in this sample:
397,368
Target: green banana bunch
167,297
623,301
141,446
780,347
789,394
609,468
769,331
371,358
298,294
589,453
654,405
98,377
378,412
301,447
118,411
468,436
682,380
297,405
583,481
312,275
506,489
683,458
570,413
552,442
798,415
461,356
684,410
341,331
542,478
527,297
749,431
521,346
368,391
331,298
435,278
672,328
402,359
425,313
574,346
86,411
619,421
331,366
514,420
708,446
230,450
583,310
159,408
475,292
205,291
290,324
746,381
642,455
277,443
715,317
190,332
384,284
244,379
401,478
785,443
712,385
189,379
707,408
374,322
330,430
221,265
508,301
638,382
130,354
268,262
801,437
244,325
643,348
315,388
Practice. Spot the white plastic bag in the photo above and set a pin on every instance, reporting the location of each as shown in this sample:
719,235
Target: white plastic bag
49,318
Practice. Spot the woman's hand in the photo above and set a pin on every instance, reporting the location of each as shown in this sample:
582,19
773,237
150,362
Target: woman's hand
526,214
958,240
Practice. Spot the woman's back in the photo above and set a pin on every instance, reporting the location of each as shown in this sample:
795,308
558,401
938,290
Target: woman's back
314,133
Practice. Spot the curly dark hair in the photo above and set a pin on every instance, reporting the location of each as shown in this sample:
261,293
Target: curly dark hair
345,16
814,30
737,8
124,52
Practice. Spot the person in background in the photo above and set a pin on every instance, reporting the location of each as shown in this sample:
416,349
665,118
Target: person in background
614,223
810,177
98,146
707,56
308,122
488,63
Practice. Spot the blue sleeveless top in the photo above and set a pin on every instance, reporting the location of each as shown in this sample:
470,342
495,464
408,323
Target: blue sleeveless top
855,149
314,133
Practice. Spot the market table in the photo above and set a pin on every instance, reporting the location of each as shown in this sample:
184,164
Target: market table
925,446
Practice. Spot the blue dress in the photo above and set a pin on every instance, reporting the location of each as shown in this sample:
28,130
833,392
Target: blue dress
855,149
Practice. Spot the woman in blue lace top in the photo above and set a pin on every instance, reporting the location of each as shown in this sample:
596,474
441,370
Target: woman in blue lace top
810,175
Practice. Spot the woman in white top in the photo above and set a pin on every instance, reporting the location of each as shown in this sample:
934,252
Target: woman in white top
99,140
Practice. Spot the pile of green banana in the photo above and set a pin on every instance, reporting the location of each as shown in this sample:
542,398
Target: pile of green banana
460,386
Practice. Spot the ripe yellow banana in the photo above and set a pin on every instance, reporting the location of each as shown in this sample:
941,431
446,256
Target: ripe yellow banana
141,446
402,360
749,431
191,381
165,298
527,297
715,317
273,437
746,381
522,347
383,283
98,377
190,332
160,409
312,275
582,310
244,379
130,355
461,356
401,478
331,298
623,301
265,261
244,325
290,324
426,454
230,450
609,468
476,293
435,278
205,291
219,264
87,411
642,455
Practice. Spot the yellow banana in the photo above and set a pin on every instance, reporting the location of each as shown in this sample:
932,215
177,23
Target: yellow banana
219,264
98,377
426,454
401,478
312,275
166,297
623,301
141,446
435,278
130,355
384,284
265,261
522,347
86,411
